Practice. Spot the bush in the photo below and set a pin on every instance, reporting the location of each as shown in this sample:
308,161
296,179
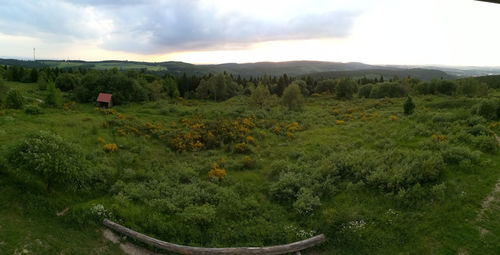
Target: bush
345,88
292,97
33,110
51,159
409,106
15,99
53,97
389,89
364,91
487,109
486,143
306,202
326,86
3,93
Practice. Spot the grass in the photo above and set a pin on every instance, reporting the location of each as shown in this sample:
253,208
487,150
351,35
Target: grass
433,226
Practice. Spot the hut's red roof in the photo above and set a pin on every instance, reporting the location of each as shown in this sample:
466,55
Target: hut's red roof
104,98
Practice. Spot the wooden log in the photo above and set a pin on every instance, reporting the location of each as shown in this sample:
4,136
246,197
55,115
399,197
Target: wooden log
189,250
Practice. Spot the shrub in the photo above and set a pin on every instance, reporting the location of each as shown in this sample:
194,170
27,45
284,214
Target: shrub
33,110
326,86
15,99
487,109
51,159
345,88
306,202
110,147
216,172
409,106
3,93
292,97
53,96
364,91
389,89
486,143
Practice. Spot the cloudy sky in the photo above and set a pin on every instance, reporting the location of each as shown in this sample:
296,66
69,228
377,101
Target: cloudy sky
446,32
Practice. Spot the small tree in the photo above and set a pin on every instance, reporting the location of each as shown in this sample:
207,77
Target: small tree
261,96
409,106
15,99
345,88
51,159
53,97
292,97
3,93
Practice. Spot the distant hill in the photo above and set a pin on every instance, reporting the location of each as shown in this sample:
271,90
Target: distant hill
388,73
317,69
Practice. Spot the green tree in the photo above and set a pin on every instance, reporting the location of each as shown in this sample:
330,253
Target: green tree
42,80
219,87
154,90
48,157
326,86
409,106
66,82
292,97
3,93
34,75
15,99
170,87
261,96
345,88
53,97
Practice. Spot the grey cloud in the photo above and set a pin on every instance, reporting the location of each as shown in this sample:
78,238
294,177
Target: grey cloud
150,27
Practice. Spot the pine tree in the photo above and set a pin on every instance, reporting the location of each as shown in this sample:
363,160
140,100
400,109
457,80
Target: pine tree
409,106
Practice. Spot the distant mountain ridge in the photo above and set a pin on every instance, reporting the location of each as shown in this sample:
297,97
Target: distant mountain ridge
317,69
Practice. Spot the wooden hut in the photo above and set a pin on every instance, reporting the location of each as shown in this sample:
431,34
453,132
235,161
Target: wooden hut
104,100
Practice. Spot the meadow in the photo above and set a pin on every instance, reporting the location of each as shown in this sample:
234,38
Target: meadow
224,174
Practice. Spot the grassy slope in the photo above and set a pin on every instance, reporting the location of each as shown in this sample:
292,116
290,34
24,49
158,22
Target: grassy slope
438,227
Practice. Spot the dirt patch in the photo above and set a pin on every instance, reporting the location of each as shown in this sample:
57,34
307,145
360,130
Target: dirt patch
131,249
61,213
109,235
126,247
492,197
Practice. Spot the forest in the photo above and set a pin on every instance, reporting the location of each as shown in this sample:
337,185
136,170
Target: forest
379,164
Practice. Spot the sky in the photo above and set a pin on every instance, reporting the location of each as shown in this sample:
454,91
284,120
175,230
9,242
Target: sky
400,32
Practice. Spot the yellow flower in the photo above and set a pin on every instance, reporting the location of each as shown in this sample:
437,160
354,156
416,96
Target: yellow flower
339,122
393,117
110,147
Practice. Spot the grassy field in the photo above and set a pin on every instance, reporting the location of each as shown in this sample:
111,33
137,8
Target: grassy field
149,186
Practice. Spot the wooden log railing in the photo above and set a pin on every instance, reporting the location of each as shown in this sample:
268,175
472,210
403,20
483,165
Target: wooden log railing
189,250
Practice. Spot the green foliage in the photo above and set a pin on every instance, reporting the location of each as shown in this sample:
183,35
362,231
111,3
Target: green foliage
345,88
219,88
53,97
261,97
306,202
486,143
66,82
3,93
471,87
389,89
487,109
154,90
124,89
409,106
170,87
365,90
326,86
292,98
42,80
33,110
15,99
52,160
